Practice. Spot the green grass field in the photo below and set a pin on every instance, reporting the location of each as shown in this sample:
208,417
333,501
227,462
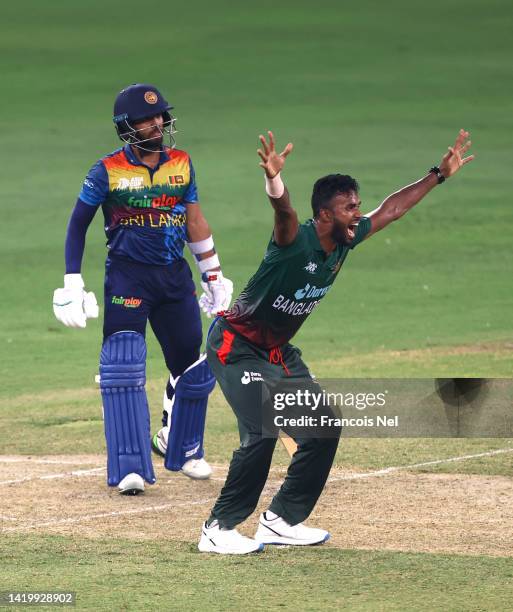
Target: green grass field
376,90
356,580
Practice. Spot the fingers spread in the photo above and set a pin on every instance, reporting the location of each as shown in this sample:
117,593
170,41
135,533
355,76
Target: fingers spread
264,144
467,159
271,140
465,147
287,150
462,136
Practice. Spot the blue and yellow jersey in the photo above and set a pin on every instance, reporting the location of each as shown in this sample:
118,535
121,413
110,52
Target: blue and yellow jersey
144,209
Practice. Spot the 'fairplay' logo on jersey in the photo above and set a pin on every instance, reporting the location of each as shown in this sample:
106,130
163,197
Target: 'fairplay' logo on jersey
311,292
134,182
311,267
163,201
130,302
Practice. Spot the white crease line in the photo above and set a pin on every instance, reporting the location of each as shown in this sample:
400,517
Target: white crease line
7,518
92,472
225,466
51,461
267,489
91,517
397,468
356,476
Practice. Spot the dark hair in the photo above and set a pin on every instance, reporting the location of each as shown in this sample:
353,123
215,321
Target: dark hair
328,186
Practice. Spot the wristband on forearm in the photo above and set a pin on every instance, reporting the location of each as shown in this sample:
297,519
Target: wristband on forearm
199,248
210,263
274,187
437,172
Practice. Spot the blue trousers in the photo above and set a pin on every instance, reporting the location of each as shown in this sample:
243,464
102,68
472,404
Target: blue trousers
164,295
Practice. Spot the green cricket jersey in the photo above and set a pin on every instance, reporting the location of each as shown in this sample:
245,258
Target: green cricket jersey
288,285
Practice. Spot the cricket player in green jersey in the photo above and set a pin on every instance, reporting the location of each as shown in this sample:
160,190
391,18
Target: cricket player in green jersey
249,344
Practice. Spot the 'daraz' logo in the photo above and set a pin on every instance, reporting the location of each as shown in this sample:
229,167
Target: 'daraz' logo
130,302
311,291
300,293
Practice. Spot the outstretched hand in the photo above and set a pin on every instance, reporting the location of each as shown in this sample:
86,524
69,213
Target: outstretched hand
453,160
272,162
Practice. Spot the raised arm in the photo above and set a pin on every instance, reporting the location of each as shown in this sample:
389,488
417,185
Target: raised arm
285,217
399,203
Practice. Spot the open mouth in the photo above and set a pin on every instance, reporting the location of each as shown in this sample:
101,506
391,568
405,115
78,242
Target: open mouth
351,231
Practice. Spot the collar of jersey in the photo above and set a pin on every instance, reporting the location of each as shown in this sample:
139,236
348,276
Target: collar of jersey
164,157
312,235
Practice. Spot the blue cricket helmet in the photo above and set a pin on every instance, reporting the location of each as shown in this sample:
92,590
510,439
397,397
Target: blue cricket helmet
137,102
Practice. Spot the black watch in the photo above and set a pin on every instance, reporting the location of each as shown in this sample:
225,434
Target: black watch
439,175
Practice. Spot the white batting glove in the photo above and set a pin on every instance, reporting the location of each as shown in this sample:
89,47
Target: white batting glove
72,306
217,294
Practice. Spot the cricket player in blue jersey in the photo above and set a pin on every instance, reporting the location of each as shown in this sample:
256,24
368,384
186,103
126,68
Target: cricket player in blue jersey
148,194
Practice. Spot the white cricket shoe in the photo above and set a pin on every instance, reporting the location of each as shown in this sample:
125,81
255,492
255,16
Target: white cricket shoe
132,484
226,541
197,469
277,531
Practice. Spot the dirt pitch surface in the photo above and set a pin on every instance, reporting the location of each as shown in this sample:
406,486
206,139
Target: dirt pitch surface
392,509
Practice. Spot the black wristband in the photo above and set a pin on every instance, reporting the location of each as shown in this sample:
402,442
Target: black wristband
439,175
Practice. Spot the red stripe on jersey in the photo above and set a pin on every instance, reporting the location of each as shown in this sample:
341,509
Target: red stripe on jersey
226,347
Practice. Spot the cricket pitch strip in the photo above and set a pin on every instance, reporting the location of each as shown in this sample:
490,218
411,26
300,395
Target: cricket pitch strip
395,509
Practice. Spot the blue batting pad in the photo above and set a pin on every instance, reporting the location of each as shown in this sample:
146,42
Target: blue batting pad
188,416
125,407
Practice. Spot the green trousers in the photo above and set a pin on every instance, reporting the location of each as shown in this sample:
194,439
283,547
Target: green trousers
240,368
